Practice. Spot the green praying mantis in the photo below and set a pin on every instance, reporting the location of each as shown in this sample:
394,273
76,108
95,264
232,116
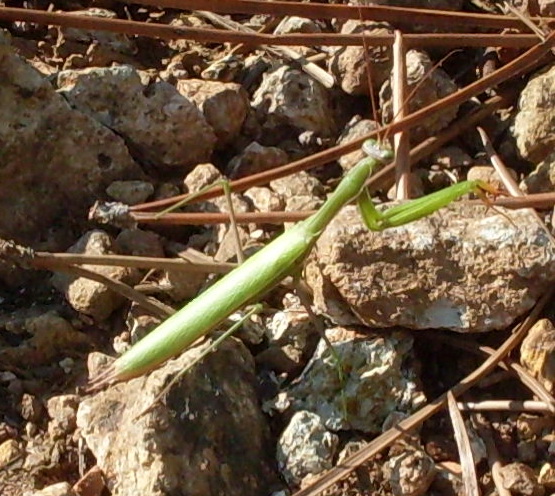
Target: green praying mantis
266,268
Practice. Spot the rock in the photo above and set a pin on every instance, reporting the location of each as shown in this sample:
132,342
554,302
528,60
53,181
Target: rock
130,192
537,352
140,243
51,335
542,178
181,285
59,489
202,176
140,323
295,24
162,126
535,118
350,65
32,408
411,473
86,295
227,246
54,162
208,438
97,362
355,129
93,47
298,184
376,381
63,414
547,7
256,158
291,337
520,479
452,157
305,447
488,174
526,452
288,97
464,269
9,451
224,105
546,476
91,484
532,426
437,85
264,199
448,481
166,190
226,69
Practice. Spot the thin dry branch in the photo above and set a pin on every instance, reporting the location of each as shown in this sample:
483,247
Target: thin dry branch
395,15
204,35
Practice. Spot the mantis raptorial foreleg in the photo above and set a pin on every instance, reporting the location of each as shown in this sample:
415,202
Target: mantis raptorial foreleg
266,268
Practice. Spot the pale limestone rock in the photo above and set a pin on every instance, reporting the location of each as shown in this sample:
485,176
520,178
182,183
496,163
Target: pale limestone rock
208,436
464,268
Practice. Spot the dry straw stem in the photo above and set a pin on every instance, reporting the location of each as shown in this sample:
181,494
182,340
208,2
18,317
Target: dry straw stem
165,32
407,425
430,17
469,476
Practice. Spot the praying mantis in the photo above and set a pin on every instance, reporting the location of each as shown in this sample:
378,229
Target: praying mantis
266,268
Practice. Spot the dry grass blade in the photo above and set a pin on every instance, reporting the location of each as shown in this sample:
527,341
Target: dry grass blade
469,477
390,436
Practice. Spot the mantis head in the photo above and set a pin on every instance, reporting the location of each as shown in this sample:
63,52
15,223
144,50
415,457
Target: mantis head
378,151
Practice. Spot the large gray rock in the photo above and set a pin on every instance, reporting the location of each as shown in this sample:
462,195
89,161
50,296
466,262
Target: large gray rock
289,97
464,269
305,447
352,65
91,297
208,438
164,127
373,383
426,84
54,161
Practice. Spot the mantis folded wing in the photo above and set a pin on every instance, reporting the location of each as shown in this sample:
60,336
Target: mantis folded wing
265,269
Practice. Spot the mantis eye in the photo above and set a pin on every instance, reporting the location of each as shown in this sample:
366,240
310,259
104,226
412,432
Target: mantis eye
378,151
